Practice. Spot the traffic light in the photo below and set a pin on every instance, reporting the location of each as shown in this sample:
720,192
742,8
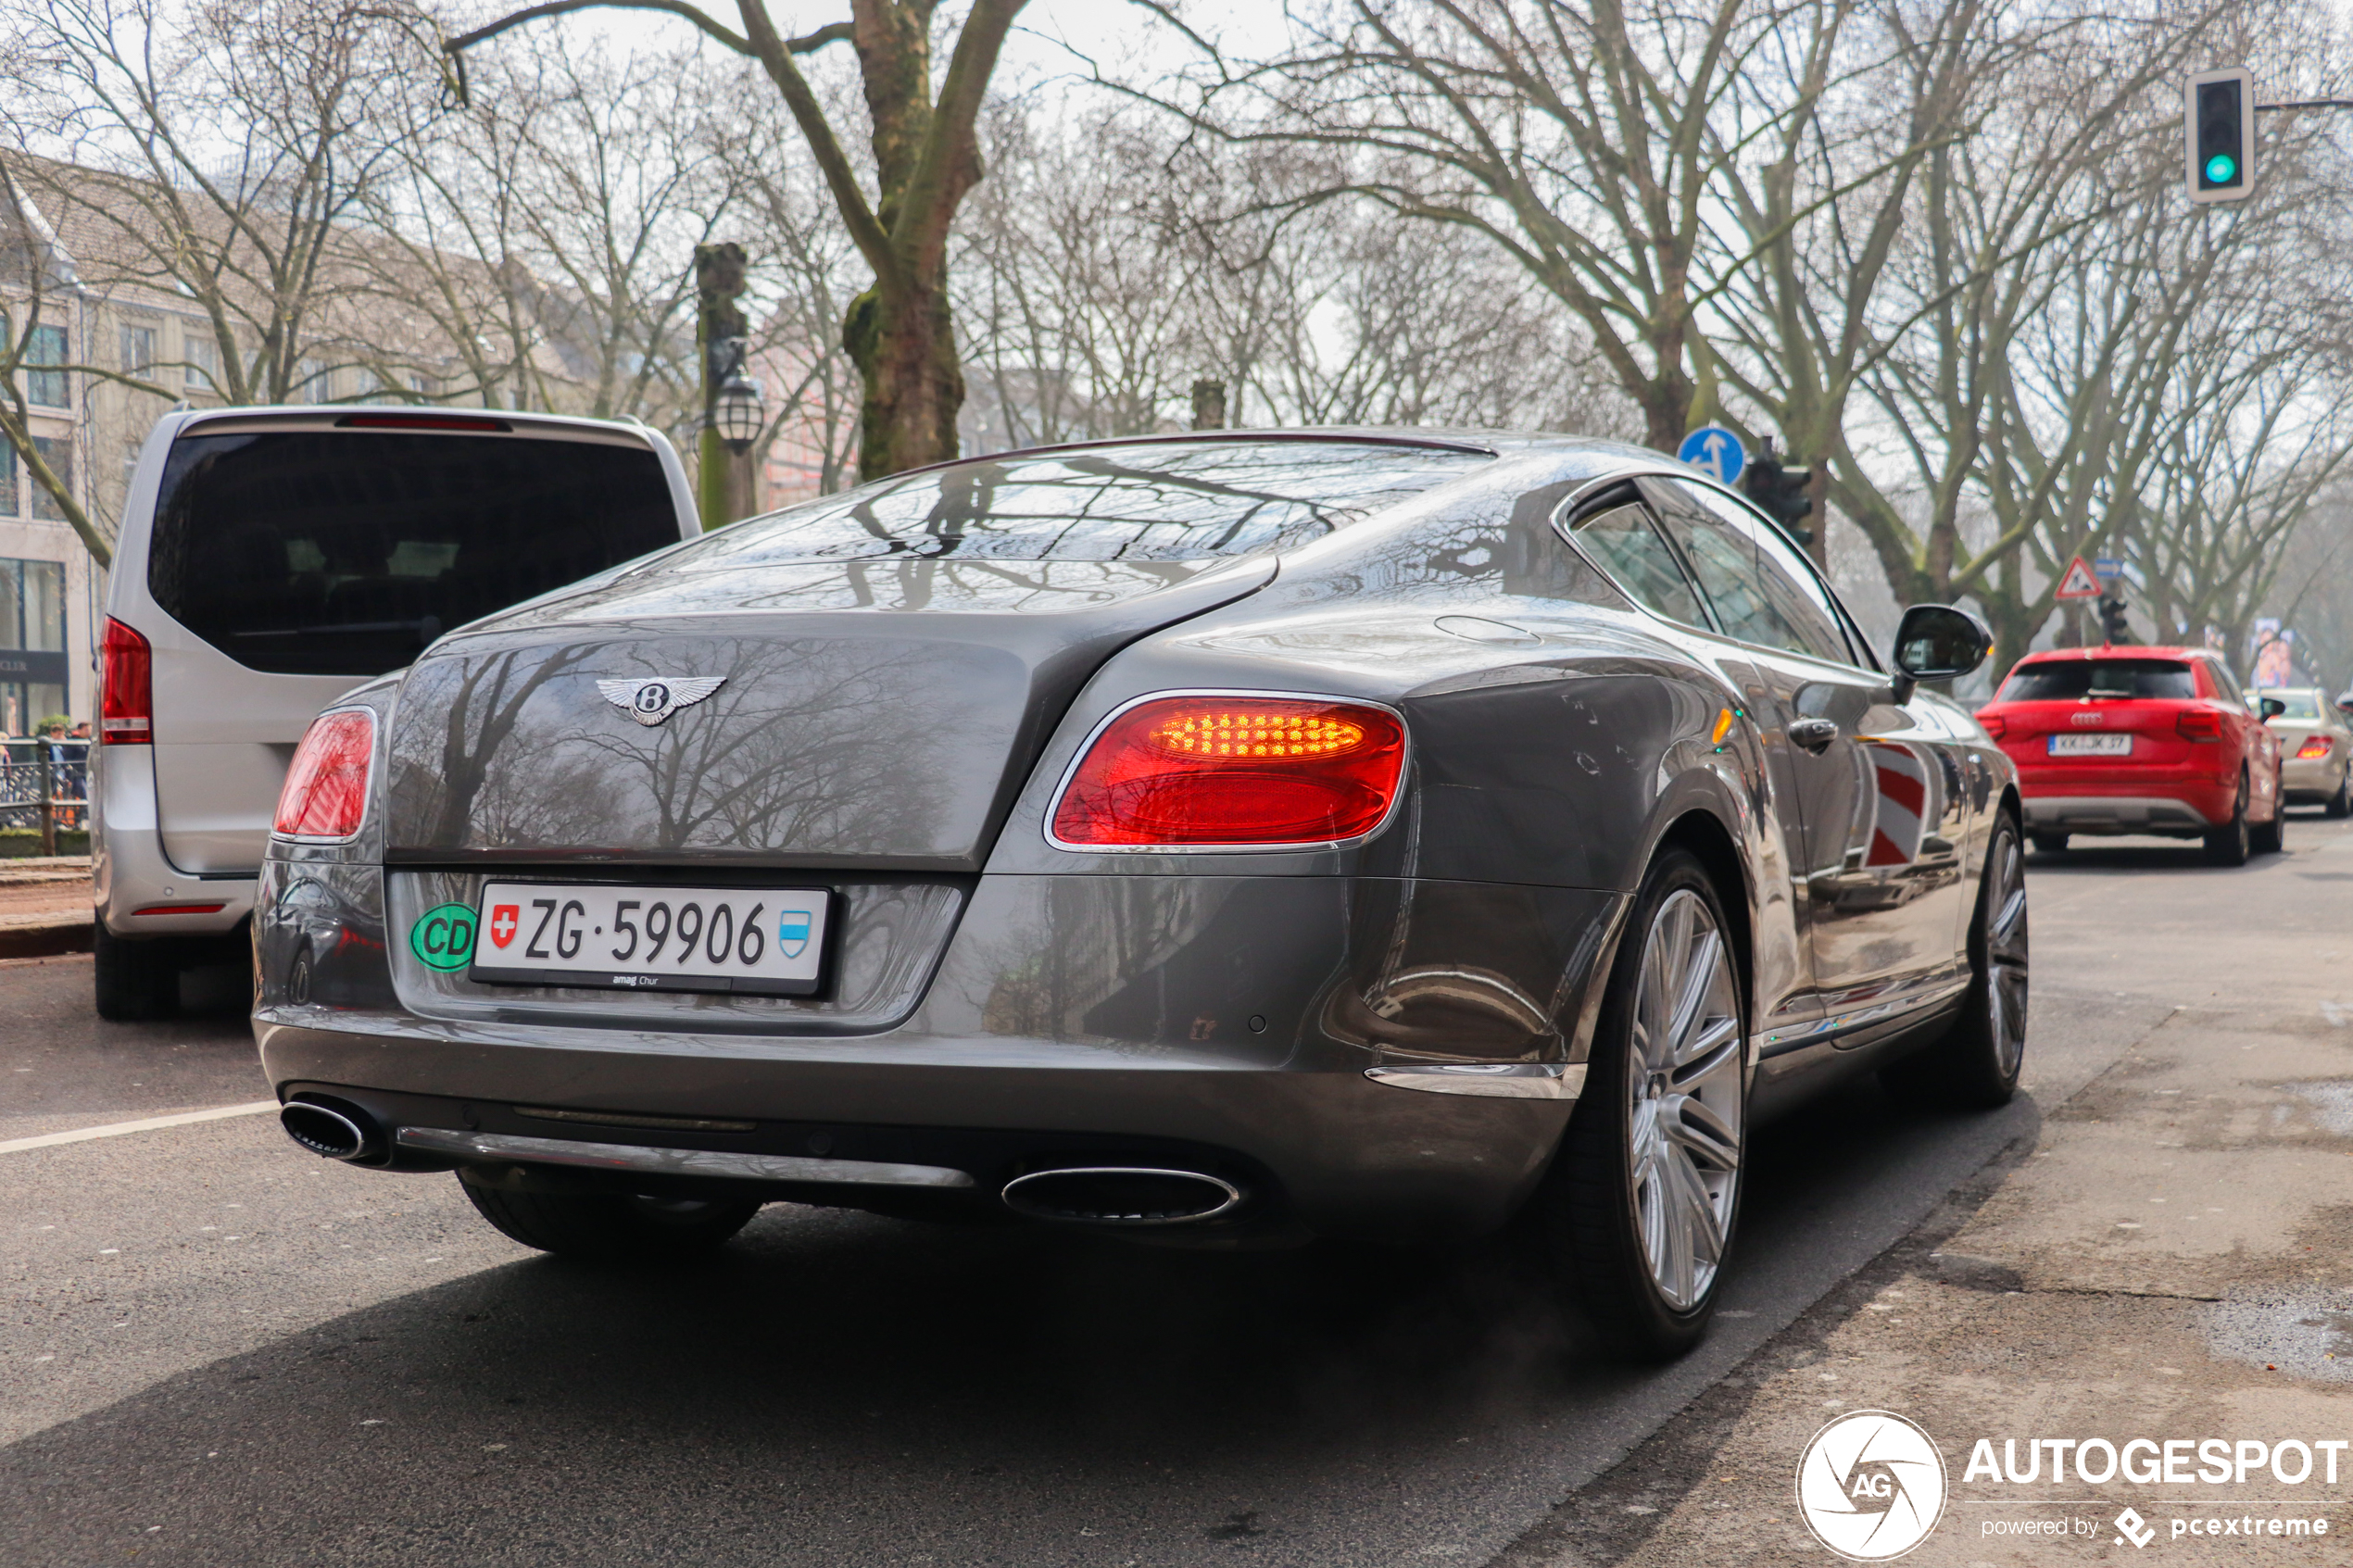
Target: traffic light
1781,494
2218,109
2113,626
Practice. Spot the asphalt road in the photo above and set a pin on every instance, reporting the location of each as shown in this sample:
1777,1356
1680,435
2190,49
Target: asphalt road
221,1350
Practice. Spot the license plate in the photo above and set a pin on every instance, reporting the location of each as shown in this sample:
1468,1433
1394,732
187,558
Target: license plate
2090,746
764,941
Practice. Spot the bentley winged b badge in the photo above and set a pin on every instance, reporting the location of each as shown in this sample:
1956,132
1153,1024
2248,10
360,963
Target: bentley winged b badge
649,702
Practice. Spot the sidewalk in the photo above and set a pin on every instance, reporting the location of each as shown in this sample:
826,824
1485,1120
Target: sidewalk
44,906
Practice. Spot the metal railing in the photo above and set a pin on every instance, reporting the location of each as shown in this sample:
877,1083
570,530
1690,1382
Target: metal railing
45,784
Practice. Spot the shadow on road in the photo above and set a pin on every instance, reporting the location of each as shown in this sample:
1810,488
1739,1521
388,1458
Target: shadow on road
840,1388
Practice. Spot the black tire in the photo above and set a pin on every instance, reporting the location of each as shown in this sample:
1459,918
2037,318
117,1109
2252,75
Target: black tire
137,982
2230,844
1975,1066
2269,838
611,1227
1596,1218
2050,844
2341,803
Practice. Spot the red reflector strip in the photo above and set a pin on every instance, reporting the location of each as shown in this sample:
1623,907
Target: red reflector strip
422,421
1237,770
180,909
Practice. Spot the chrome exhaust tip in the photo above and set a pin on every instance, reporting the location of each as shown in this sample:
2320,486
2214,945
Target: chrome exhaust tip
337,1135
1121,1195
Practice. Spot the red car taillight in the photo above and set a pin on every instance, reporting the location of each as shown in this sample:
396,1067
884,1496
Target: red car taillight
126,687
2198,724
2316,746
326,790
1252,772
1994,724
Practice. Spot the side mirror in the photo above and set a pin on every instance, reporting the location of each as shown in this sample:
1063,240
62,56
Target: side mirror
1937,643
2271,708
2345,703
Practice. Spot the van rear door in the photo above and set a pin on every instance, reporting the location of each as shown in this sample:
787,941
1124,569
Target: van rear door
301,557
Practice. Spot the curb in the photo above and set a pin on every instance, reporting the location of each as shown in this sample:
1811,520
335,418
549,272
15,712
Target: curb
68,934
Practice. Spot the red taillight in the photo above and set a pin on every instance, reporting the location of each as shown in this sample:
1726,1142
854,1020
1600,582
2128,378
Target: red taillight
126,687
326,790
2317,747
1242,770
1994,724
2198,724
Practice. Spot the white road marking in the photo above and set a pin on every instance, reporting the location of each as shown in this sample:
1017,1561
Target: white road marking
116,1130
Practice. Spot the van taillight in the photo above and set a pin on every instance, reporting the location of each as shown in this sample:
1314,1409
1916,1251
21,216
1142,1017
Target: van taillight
326,789
126,687
1249,772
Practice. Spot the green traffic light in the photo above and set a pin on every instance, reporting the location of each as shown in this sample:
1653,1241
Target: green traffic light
2220,168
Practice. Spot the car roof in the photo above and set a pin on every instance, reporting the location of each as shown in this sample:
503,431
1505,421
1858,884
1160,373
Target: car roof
1487,443
2109,650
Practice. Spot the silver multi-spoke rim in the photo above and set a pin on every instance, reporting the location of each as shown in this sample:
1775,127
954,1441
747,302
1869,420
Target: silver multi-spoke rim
2004,977
1684,1083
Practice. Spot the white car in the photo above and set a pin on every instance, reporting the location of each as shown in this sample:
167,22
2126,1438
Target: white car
270,560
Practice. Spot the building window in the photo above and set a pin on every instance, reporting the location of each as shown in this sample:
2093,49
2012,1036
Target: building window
365,382
33,642
138,350
421,383
313,382
45,345
57,452
203,373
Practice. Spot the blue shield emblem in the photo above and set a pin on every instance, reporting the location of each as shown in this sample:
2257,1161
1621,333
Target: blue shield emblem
792,932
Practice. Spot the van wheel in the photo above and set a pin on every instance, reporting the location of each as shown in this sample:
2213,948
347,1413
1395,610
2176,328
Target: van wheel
1975,1067
1639,1207
2230,844
611,1227
138,982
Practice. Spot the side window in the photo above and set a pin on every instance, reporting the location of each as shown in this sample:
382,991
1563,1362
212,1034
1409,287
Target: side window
1760,593
2225,683
1628,546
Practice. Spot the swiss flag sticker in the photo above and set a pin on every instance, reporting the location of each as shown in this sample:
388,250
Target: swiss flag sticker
504,918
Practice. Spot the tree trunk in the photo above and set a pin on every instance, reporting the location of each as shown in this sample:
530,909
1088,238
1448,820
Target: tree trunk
905,349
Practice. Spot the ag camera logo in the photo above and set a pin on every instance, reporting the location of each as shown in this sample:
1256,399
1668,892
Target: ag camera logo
1870,1486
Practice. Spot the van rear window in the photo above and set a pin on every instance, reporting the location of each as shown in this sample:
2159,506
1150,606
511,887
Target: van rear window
345,553
2069,679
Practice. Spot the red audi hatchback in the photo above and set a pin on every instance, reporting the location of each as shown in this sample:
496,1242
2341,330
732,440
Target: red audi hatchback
2112,740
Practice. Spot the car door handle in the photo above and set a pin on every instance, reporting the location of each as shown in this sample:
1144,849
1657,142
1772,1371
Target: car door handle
1814,734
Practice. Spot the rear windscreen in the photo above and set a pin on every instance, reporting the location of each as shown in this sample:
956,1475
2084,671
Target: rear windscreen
1150,501
2100,677
2293,705
345,552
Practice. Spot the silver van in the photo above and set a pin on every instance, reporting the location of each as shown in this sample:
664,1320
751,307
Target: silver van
270,560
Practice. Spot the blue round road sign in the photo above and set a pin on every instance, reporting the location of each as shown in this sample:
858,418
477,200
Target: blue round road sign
1716,452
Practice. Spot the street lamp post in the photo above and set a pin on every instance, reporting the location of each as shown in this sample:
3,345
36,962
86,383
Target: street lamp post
734,411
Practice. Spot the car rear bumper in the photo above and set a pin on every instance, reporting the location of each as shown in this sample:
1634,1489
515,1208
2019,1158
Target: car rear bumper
2310,778
1228,1025
2120,814
137,891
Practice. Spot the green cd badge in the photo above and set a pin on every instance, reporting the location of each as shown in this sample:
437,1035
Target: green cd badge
444,936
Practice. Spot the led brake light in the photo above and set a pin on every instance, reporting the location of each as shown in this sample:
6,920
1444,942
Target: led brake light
1252,772
2316,746
2198,724
326,790
126,687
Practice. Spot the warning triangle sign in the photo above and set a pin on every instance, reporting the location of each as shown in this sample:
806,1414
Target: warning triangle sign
2081,581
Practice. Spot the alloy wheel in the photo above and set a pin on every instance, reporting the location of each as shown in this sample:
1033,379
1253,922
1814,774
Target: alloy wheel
1684,1082
2004,976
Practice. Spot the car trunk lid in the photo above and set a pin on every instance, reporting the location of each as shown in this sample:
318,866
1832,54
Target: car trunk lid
808,719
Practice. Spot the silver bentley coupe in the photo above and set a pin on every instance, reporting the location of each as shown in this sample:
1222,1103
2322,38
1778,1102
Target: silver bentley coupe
1233,838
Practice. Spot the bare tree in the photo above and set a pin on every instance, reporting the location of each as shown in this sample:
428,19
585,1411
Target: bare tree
926,159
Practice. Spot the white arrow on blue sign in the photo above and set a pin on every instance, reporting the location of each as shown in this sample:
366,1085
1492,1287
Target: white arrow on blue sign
1716,452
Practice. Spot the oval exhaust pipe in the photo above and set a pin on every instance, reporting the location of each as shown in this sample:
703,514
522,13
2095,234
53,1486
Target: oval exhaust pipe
346,1135
1121,1195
